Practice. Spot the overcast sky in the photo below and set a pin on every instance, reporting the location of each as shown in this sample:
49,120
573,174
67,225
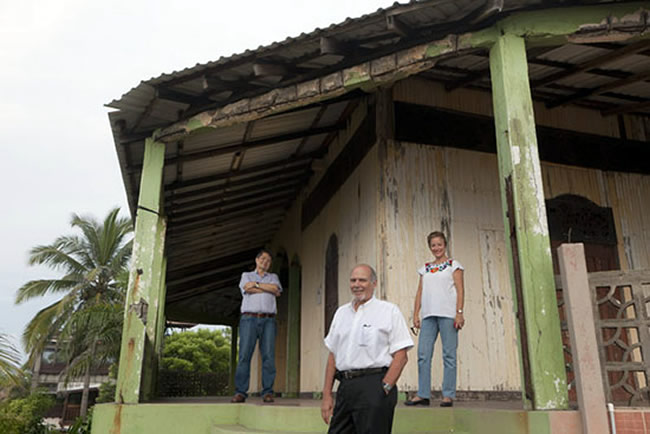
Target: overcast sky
61,61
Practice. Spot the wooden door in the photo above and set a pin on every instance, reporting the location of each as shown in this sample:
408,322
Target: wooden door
575,219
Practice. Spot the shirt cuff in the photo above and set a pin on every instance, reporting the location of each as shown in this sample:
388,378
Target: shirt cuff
408,344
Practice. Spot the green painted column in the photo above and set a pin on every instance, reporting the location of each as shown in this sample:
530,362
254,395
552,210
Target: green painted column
233,356
141,307
293,331
155,326
531,267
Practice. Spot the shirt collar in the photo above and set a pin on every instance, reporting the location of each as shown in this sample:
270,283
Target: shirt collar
362,306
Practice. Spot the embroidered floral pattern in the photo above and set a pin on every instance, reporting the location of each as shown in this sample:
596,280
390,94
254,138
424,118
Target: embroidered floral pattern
430,267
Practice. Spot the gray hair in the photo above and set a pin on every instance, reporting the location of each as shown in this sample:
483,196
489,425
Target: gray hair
373,273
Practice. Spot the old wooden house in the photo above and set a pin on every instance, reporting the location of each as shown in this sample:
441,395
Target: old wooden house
513,126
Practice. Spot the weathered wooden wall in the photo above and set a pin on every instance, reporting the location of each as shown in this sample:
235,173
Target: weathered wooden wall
456,191
351,215
428,188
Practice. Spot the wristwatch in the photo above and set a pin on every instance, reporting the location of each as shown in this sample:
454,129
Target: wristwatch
257,284
460,311
387,387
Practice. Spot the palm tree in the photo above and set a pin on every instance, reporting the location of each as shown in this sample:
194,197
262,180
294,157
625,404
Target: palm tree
9,360
91,263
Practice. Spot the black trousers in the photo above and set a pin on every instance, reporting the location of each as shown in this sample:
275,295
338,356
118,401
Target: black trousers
362,407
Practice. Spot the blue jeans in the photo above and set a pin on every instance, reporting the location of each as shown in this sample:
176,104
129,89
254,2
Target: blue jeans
430,327
252,329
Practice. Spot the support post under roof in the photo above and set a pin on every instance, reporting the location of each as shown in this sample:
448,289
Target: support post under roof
524,213
143,311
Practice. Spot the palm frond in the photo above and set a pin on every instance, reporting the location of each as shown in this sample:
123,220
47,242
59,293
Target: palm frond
40,288
55,256
9,359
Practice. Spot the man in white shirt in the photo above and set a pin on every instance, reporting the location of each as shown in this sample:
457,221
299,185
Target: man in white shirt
368,341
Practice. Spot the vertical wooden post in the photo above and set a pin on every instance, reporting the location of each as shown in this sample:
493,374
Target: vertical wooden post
143,295
233,356
524,210
293,331
155,315
385,133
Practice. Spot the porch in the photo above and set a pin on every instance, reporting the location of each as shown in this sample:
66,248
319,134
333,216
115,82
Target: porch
316,154
217,415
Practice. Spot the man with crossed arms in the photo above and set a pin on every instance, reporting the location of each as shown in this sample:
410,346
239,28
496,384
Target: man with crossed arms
368,341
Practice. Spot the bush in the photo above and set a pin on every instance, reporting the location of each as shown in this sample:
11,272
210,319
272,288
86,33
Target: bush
25,415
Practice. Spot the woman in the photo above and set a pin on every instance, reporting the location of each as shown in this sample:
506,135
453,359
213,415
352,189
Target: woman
439,303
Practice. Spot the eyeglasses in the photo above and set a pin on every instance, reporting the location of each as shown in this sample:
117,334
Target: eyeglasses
414,331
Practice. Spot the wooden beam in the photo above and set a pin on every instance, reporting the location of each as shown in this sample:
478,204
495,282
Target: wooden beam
268,141
270,69
629,108
338,48
428,125
209,231
225,199
179,217
260,169
396,25
201,254
215,265
212,230
597,61
180,97
244,232
234,212
600,89
236,187
208,285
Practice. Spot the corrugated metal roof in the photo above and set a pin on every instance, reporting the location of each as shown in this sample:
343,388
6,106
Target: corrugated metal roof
227,190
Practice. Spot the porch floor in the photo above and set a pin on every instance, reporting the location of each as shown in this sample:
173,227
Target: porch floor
212,415
305,402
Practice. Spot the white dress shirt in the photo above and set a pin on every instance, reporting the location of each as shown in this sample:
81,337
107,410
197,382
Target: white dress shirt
367,337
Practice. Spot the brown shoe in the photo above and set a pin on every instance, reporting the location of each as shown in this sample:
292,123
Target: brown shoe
238,398
268,398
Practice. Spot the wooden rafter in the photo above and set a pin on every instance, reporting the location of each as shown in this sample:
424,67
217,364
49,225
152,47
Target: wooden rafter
243,232
249,182
597,61
234,212
214,230
600,89
268,141
229,198
254,170
396,25
629,108
180,217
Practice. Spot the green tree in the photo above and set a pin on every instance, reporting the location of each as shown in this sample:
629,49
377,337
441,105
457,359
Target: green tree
25,415
86,320
197,351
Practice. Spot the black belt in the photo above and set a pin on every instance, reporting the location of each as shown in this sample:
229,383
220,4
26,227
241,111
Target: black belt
259,314
354,373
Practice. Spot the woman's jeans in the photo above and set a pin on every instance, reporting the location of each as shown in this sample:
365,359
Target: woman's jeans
430,327
252,329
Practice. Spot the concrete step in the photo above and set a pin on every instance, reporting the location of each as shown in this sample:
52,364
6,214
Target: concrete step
240,429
